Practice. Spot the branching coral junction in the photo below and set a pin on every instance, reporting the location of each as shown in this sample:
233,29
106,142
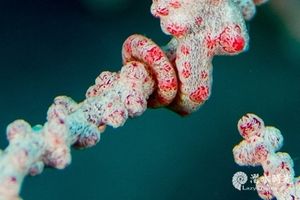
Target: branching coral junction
259,149
179,77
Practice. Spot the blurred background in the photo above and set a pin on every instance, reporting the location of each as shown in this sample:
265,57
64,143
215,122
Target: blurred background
54,47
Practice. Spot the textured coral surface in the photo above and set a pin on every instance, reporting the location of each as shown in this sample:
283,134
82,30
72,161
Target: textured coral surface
259,148
179,77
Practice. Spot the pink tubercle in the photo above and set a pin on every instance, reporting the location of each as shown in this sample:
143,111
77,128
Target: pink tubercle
231,39
175,4
177,30
200,94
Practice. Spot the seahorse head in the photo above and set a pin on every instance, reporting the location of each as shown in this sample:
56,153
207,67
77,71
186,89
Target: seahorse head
177,17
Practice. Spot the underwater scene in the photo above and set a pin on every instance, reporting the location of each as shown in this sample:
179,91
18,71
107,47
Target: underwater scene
183,151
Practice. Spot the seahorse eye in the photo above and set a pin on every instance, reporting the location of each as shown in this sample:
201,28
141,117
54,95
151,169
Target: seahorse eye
162,11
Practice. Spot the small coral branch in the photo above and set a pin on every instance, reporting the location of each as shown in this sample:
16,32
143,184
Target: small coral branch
178,77
259,148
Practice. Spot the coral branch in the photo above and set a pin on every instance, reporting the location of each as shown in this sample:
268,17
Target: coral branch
259,149
179,78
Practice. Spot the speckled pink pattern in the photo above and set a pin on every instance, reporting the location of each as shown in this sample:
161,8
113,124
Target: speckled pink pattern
259,149
178,76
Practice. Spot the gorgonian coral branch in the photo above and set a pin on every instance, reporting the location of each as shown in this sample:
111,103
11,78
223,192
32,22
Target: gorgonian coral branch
259,149
179,77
